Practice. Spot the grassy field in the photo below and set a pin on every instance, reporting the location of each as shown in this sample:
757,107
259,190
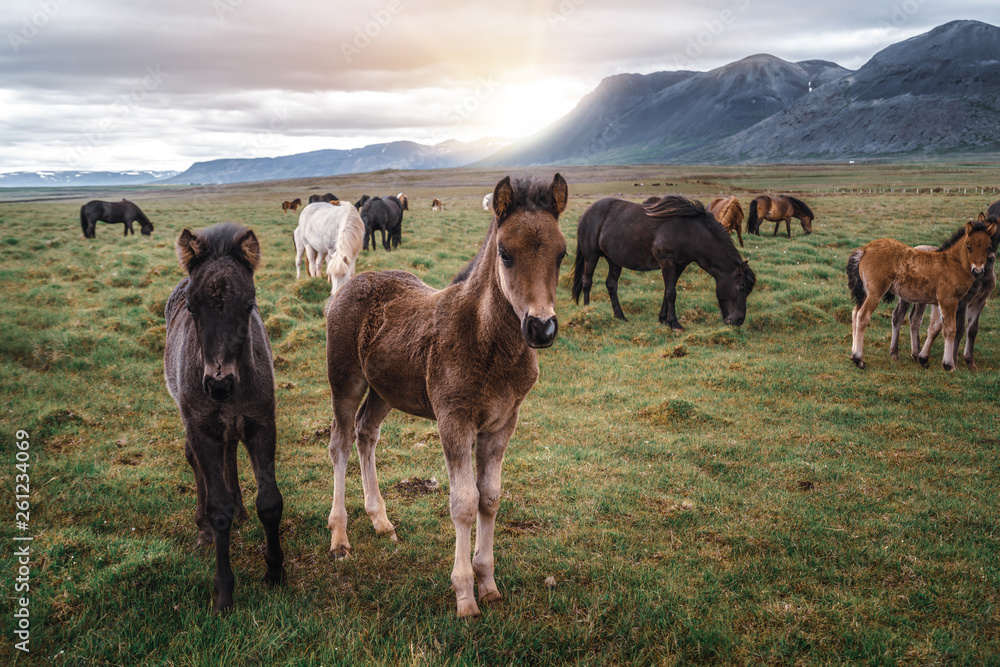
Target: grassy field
720,495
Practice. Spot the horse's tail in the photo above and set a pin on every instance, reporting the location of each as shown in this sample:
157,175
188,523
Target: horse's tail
577,275
854,281
752,223
83,219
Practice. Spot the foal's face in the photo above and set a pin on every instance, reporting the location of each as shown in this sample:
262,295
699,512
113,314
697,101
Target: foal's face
220,299
979,246
530,248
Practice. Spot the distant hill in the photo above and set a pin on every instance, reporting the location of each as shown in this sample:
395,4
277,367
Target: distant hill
35,179
393,155
935,94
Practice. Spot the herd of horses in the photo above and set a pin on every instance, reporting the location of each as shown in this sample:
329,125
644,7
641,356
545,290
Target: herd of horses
465,355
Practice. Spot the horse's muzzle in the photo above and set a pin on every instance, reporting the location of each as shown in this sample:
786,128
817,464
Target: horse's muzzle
735,320
219,388
978,273
538,332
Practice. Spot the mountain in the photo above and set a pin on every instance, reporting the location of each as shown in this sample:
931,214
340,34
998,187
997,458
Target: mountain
937,93
934,94
34,179
330,162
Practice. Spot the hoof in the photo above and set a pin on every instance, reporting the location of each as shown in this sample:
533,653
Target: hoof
490,596
223,608
894,356
948,367
340,553
972,366
275,578
205,538
924,361
242,514
858,362
468,608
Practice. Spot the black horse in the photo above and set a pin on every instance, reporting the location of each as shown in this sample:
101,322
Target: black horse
125,212
328,197
361,202
383,214
218,368
667,234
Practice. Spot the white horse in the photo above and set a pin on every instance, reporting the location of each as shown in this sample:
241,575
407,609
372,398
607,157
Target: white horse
488,201
332,234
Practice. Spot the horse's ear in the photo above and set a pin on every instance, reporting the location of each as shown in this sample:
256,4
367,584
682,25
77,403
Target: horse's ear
189,247
560,193
249,248
991,227
744,266
982,217
968,227
503,199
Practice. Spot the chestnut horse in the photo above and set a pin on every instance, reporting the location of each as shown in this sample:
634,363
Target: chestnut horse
667,233
293,205
437,205
464,356
777,208
967,316
218,368
886,267
729,213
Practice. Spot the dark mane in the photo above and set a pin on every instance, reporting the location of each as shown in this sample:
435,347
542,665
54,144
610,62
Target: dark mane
800,205
670,206
977,226
220,241
532,195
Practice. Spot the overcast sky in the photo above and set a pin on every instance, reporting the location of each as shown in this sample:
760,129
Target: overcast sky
160,84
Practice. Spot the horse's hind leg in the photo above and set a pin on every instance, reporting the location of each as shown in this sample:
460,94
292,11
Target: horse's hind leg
614,271
260,439
860,318
347,392
490,450
975,309
898,315
587,280
368,423
917,319
933,329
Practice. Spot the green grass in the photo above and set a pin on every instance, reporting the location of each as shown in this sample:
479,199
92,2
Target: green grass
719,495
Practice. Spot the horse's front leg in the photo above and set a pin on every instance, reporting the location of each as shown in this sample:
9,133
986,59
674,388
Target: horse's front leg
739,232
463,501
260,439
948,325
128,228
788,226
668,314
490,448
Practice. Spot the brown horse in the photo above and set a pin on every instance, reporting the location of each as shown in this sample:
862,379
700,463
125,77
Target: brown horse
886,267
437,205
218,369
293,205
729,213
967,316
777,208
464,356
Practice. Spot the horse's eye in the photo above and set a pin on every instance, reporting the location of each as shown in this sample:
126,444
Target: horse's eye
250,308
505,257
561,257
189,308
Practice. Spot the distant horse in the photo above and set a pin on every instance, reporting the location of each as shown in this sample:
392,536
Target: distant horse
404,201
437,205
330,234
328,198
291,205
885,267
218,369
966,316
396,232
464,356
488,201
385,215
668,234
124,212
729,213
777,208
361,202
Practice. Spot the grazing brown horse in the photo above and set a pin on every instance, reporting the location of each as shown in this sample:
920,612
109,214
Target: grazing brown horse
667,233
886,267
404,201
293,205
218,369
437,205
729,213
967,316
464,356
777,208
